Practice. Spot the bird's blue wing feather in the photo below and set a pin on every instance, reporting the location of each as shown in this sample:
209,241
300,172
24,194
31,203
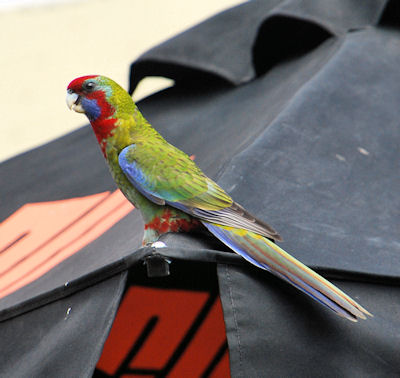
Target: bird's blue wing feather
136,176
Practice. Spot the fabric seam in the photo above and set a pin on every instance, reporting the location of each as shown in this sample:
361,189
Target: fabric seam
234,317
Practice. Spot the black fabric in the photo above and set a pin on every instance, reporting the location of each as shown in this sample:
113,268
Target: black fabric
332,193
274,331
198,54
63,338
293,108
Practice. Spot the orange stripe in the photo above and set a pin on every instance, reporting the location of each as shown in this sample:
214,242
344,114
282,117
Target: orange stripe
16,259
52,232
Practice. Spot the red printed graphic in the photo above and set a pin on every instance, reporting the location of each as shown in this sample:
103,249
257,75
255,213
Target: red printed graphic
172,333
38,236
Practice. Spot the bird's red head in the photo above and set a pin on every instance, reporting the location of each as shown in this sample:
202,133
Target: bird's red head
77,85
91,95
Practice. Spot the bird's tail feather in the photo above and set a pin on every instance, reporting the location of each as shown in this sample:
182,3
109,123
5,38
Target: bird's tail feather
265,254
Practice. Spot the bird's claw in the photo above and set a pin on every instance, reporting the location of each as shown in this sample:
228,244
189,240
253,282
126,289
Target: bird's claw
158,244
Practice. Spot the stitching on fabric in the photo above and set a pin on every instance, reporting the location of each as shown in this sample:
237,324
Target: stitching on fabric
234,317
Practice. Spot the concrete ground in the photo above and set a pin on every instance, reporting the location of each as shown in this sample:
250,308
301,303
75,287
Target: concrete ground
46,45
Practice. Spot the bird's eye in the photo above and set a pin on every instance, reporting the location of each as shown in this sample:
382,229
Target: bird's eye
89,86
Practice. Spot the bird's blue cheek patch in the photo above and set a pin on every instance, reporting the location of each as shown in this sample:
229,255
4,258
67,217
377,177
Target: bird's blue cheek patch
92,109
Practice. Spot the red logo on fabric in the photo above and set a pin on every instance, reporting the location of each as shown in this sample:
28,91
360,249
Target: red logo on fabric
38,236
173,333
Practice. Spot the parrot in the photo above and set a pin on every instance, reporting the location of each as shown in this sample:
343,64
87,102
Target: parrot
174,195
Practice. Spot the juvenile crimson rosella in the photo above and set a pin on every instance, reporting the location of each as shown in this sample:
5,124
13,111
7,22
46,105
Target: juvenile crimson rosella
174,195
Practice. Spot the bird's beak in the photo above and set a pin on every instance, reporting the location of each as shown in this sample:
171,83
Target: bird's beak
73,102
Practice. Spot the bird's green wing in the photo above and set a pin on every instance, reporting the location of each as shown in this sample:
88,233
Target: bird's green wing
166,175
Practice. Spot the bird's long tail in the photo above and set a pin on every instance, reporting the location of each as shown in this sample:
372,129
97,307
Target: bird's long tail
265,254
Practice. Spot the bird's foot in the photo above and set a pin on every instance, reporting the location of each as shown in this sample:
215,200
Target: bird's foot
158,244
